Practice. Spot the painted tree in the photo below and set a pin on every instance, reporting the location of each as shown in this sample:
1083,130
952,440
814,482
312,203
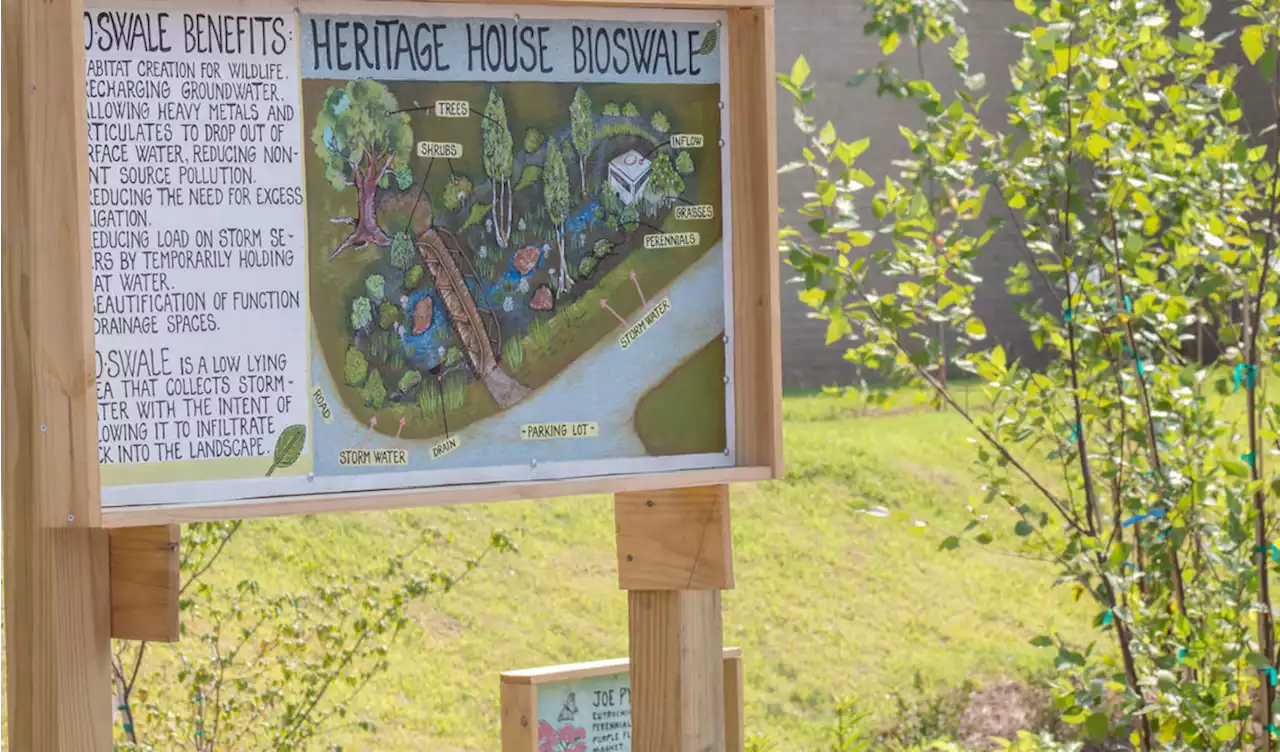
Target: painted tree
362,146
684,163
630,110
533,139
498,163
660,122
664,182
555,179
456,192
361,314
583,130
375,285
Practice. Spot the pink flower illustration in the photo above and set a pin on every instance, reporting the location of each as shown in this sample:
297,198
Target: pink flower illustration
569,738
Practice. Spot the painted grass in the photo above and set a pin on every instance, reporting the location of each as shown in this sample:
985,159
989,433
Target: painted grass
680,415
829,602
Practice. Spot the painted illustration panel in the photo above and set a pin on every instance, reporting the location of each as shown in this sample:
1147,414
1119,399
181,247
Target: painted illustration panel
337,251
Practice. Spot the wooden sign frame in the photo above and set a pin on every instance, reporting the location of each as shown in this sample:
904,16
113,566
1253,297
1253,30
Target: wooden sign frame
62,577
519,698
47,206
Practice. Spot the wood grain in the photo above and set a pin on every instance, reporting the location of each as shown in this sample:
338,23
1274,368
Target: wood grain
114,517
145,583
677,680
735,734
757,349
674,539
567,672
519,717
56,592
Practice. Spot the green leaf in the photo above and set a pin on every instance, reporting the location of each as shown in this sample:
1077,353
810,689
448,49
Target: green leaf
708,43
975,328
949,544
1253,42
288,446
1097,725
1042,641
1023,528
1096,145
890,43
800,71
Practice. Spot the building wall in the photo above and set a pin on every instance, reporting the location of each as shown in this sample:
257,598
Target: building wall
829,34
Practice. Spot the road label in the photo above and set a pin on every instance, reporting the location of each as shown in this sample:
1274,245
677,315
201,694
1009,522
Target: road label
317,399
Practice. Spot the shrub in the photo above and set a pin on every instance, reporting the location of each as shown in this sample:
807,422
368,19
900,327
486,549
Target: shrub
630,110
403,254
611,108
361,314
413,276
533,139
355,366
659,122
388,315
409,381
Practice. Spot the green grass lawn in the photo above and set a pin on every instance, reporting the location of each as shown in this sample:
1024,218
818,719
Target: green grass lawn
829,602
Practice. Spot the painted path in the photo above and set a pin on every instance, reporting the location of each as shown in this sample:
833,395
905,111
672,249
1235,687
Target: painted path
602,386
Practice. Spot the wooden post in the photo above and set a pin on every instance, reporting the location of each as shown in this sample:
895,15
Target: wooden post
674,557
56,591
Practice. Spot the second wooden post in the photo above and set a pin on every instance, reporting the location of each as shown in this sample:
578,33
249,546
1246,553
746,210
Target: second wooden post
674,558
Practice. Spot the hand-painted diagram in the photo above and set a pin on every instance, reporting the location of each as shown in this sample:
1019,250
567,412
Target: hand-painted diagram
338,252
490,258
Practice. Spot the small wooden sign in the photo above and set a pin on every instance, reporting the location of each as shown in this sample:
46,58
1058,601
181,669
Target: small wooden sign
586,707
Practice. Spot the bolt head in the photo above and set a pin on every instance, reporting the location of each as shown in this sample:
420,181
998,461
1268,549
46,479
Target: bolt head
71,518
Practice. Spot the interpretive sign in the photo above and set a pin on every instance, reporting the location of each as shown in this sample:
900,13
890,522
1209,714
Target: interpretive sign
343,248
586,707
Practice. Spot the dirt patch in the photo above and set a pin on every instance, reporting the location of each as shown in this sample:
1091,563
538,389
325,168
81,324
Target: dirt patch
1002,709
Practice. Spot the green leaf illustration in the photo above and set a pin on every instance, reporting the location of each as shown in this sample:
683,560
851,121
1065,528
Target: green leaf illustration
289,446
708,43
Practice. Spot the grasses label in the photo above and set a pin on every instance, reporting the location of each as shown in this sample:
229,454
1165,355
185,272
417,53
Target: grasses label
699,211
543,431
439,150
686,140
452,108
671,240
444,447
373,457
643,325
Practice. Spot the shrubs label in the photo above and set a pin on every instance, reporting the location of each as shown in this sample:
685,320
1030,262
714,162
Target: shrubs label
377,248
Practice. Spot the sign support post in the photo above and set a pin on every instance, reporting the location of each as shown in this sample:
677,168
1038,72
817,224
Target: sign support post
56,591
674,558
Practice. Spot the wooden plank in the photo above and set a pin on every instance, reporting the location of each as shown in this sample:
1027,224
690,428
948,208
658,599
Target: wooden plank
113,517
145,583
757,359
519,717
566,672
660,4
56,591
674,539
677,681
735,732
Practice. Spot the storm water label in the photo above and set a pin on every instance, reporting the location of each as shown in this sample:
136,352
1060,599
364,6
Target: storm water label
197,225
640,327
373,457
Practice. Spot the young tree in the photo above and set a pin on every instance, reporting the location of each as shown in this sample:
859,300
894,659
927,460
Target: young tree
611,109
555,179
498,157
630,110
1139,198
361,314
361,144
583,130
664,182
375,285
